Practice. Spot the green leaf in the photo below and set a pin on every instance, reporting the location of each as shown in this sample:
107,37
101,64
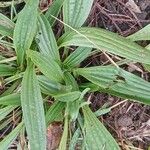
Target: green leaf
54,10
6,142
54,112
96,135
46,39
143,34
47,66
6,26
25,29
33,111
63,142
118,82
107,41
74,139
75,58
68,97
5,111
75,12
6,70
11,99
72,108
50,87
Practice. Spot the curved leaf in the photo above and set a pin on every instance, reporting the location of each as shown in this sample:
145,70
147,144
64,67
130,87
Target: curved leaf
75,12
107,41
143,34
54,111
11,99
6,70
33,111
77,57
6,142
46,39
25,29
6,26
54,10
50,87
5,111
68,97
118,82
96,135
47,66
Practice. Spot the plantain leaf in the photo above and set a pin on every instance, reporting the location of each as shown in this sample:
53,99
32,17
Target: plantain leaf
6,70
47,66
6,26
54,10
5,111
75,12
68,97
11,99
54,112
74,140
106,41
6,142
72,108
118,82
25,29
63,142
46,39
96,135
33,111
50,87
143,34
75,58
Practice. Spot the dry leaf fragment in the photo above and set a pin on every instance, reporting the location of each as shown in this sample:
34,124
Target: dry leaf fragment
54,133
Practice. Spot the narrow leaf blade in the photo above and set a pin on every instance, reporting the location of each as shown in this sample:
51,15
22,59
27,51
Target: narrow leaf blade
6,26
75,12
47,66
54,10
118,82
107,41
96,135
46,39
25,29
75,58
6,142
33,111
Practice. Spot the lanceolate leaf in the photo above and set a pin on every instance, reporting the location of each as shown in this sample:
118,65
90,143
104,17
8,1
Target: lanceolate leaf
6,26
6,142
33,111
47,66
143,34
54,10
63,142
96,135
6,70
25,29
5,111
54,112
118,82
107,41
77,57
50,87
11,99
75,12
68,97
46,40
